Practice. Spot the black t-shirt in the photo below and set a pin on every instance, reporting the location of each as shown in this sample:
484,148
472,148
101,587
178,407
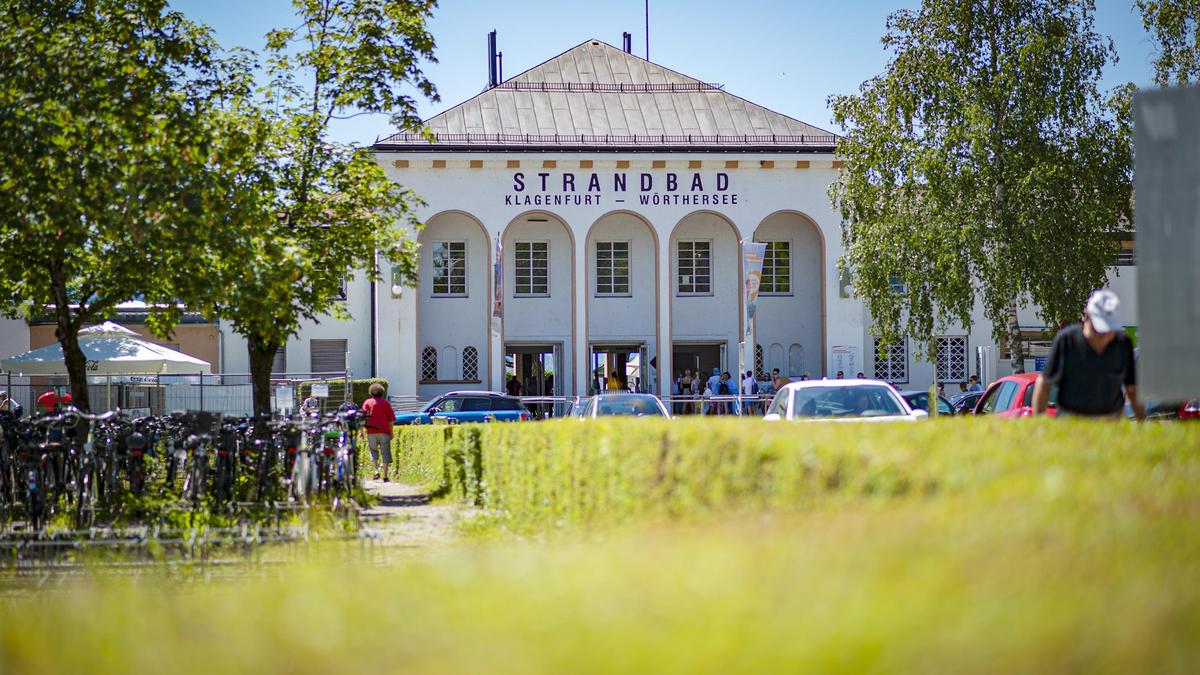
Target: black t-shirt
1090,383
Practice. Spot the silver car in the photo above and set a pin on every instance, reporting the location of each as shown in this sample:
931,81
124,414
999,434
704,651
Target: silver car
623,405
841,401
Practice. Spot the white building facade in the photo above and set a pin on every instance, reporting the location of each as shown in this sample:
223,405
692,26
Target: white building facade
618,194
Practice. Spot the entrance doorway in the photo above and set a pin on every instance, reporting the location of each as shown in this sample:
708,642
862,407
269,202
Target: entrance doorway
535,367
698,357
617,367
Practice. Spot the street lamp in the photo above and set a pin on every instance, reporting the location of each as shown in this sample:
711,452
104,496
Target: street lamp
397,287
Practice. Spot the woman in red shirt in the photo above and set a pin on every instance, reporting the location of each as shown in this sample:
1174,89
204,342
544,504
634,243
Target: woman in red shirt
380,417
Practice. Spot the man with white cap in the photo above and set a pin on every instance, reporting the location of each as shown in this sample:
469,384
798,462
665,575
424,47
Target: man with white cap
1092,365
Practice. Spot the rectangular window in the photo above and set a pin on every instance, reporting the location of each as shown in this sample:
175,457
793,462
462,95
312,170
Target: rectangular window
449,267
279,363
328,356
777,269
532,273
1126,254
952,359
612,268
891,362
695,267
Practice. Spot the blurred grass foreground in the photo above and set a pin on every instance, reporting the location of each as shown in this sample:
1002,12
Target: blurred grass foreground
709,546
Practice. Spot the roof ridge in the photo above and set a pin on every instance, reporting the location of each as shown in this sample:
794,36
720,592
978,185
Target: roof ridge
638,101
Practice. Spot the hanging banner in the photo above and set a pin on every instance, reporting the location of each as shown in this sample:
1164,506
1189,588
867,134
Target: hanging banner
498,284
752,265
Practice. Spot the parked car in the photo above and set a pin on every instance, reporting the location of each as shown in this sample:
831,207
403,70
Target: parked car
964,402
623,405
1012,396
919,400
459,407
841,401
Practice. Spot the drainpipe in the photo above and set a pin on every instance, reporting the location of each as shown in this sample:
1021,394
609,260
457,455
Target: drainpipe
374,329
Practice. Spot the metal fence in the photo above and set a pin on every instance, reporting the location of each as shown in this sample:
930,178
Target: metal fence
224,394
548,407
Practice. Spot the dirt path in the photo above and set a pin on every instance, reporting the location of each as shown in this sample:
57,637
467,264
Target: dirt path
405,518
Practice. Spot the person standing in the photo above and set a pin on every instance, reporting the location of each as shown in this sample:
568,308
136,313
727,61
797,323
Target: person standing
1092,364
513,386
310,406
380,418
778,380
974,384
10,405
750,389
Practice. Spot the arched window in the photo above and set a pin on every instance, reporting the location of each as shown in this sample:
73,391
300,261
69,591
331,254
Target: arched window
449,366
795,360
429,365
470,364
775,357
759,366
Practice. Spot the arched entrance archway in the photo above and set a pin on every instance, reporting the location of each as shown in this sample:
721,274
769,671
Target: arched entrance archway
622,279
539,303
452,303
791,301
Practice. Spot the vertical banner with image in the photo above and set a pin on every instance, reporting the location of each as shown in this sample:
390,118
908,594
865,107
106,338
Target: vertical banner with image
752,265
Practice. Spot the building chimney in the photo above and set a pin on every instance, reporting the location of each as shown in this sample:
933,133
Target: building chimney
493,76
627,42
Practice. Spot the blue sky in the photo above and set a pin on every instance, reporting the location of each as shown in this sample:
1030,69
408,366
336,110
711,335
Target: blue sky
787,56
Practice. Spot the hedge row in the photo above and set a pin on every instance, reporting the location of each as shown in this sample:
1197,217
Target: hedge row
337,389
564,473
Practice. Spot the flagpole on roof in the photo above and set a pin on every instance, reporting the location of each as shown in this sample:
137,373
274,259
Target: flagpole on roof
647,30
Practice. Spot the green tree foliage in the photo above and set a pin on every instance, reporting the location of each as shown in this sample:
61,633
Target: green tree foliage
983,162
1175,26
333,210
115,146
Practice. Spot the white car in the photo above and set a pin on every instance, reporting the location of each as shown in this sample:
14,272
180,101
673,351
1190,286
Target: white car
841,401
623,405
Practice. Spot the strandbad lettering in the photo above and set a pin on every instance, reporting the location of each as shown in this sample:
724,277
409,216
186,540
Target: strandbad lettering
590,189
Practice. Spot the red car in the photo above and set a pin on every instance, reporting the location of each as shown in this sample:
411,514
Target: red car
1012,396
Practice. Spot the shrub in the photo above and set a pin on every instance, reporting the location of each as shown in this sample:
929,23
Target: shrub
337,389
552,474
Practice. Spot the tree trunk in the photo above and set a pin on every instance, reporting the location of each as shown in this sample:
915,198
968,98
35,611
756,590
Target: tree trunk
1016,346
76,366
262,356
67,332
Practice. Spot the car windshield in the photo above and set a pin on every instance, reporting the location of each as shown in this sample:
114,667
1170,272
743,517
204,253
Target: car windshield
852,401
445,404
627,405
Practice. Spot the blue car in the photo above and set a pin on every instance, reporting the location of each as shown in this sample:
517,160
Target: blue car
460,407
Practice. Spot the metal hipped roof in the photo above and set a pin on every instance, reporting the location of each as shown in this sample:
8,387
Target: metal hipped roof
597,97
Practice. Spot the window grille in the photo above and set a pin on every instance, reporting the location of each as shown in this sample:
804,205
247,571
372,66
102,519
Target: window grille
449,268
532,268
470,371
952,359
612,268
891,362
694,262
777,268
429,364
759,366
